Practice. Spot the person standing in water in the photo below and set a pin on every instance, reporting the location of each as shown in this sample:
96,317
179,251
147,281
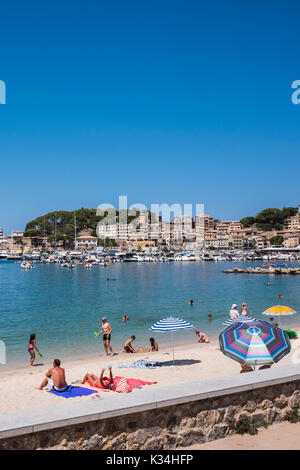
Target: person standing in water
125,317
244,310
31,347
106,330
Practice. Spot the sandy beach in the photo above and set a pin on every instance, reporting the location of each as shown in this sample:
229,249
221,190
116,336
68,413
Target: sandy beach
194,362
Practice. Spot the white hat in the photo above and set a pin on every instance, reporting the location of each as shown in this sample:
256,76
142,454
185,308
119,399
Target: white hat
234,305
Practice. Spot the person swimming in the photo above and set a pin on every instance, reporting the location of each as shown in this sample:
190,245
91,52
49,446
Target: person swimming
125,317
209,316
191,302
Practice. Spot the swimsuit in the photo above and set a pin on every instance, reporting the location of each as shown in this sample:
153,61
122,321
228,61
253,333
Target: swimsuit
30,349
127,349
106,337
56,389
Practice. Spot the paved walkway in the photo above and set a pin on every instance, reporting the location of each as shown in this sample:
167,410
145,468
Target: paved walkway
282,436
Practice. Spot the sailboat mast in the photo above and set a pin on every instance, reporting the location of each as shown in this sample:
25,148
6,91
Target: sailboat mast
75,229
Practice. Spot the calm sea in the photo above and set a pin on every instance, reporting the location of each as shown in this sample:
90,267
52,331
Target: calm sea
64,307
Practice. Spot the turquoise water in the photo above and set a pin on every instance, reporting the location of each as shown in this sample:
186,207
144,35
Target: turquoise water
64,307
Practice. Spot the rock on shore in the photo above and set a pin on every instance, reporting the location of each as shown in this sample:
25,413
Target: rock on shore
278,271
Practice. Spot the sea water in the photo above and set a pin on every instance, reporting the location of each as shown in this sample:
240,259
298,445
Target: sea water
64,307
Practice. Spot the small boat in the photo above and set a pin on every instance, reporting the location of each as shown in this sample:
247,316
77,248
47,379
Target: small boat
26,265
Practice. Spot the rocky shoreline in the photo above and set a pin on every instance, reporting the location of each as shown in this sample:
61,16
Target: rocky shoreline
277,271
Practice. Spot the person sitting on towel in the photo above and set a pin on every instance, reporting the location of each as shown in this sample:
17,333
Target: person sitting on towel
127,346
55,378
100,382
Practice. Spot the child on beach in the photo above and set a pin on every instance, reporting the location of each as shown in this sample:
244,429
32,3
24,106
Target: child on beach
127,346
31,347
154,345
202,338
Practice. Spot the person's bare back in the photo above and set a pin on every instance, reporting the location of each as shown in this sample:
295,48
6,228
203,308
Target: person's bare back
58,376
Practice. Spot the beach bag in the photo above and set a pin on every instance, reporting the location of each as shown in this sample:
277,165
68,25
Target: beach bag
123,386
291,334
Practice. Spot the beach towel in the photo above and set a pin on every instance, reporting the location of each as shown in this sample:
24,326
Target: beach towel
120,383
134,383
141,364
72,392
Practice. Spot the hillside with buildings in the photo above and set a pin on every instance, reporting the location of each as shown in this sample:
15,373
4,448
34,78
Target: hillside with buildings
83,230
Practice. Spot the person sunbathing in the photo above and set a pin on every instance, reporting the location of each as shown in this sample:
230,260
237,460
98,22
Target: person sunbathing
127,346
55,377
121,385
100,382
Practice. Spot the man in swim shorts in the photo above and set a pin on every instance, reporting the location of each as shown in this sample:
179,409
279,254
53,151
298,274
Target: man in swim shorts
55,378
106,330
127,346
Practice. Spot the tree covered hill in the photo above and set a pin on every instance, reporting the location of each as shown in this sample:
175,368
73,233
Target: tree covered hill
63,223
270,219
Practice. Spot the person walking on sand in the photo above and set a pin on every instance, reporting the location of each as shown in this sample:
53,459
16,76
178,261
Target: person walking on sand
31,347
234,312
127,346
106,330
55,377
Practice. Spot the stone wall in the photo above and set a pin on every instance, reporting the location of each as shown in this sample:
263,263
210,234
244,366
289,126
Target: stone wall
172,426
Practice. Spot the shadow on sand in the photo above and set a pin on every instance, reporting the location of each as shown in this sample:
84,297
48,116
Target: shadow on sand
180,362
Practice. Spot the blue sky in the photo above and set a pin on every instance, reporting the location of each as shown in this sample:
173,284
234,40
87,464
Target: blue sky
163,101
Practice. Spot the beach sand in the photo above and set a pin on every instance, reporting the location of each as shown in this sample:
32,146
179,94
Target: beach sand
194,362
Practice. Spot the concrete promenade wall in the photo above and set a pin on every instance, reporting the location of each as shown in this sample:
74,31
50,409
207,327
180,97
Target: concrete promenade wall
162,418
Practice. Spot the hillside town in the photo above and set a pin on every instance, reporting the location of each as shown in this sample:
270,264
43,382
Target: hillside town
183,233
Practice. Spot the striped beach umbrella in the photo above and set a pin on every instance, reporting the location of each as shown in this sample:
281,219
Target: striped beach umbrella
254,343
171,324
240,318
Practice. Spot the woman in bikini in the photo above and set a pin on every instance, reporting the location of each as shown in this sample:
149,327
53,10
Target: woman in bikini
31,347
100,382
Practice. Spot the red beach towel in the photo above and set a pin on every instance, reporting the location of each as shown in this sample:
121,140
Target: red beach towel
133,382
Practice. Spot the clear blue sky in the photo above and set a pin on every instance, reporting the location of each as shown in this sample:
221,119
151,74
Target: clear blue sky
164,101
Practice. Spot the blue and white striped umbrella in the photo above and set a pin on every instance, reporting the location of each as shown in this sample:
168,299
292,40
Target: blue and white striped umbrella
171,324
240,318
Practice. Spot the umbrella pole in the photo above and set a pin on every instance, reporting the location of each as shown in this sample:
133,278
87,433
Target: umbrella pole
173,347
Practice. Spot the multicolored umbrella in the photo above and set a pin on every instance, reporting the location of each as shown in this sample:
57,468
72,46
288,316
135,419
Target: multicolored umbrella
254,343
